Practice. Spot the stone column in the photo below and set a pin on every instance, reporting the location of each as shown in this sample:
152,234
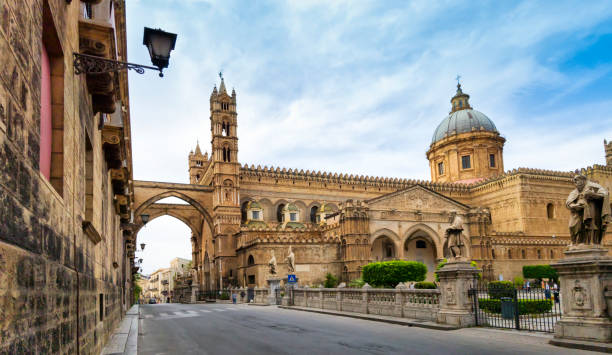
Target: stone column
456,306
339,295
585,276
400,298
364,298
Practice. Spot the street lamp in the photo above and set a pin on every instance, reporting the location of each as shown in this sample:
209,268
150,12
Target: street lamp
159,43
142,245
144,218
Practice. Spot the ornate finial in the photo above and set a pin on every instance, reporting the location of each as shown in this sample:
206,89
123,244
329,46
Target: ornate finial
458,78
221,75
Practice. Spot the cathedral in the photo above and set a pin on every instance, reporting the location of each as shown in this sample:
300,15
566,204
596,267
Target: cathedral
337,223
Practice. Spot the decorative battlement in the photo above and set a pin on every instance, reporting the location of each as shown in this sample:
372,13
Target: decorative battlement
608,149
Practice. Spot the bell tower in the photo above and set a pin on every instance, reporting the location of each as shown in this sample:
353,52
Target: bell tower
225,180
198,164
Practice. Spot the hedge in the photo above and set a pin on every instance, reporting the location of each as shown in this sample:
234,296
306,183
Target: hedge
425,285
525,306
390,273
540,272
224,296
330,281
499,289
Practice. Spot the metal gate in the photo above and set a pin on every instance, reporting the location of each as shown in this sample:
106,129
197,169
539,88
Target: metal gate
250,295
522,309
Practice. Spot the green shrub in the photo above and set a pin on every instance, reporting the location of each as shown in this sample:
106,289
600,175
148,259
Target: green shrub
443,262
224,296
519,282
524,306
499,289
390,273
425,285
357,283
540,272
330,281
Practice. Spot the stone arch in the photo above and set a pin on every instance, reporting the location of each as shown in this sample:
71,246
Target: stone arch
430,234
379,243
143,206
170,213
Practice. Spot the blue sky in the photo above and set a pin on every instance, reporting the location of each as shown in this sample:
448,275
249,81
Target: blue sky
360,86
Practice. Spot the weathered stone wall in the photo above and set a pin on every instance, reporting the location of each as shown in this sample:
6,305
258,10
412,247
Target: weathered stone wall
52,276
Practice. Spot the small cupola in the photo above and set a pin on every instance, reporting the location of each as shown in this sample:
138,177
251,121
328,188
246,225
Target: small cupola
460,101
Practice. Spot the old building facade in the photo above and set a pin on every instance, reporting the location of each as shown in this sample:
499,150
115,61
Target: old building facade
241,215
65,177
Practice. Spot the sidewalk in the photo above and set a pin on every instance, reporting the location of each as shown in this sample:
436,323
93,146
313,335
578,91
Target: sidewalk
373,317
125,338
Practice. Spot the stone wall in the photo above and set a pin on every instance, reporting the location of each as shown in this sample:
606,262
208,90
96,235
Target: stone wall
400,302
60,292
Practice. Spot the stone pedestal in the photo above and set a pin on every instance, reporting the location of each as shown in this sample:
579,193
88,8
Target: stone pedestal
585,275
273,285
194,294
456,305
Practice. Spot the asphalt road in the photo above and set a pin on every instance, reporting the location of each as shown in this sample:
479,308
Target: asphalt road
242,329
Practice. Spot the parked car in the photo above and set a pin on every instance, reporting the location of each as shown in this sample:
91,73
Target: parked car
152,301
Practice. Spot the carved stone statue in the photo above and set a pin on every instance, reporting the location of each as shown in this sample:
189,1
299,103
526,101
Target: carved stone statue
290,261
454,239
589,206
272,264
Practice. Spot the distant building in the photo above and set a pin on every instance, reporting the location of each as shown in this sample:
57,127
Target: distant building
161,281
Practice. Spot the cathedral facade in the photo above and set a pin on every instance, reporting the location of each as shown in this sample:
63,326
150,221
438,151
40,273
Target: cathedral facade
337,223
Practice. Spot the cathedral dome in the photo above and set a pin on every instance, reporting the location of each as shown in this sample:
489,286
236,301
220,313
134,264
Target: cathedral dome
462,121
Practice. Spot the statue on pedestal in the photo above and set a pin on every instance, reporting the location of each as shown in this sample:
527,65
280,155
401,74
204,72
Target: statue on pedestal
272,264
589,205
290,261
454,238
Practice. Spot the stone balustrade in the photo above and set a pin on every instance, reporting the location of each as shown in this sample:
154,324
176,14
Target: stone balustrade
401,302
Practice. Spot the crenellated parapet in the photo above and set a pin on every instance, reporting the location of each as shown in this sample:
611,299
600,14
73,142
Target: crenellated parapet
290,175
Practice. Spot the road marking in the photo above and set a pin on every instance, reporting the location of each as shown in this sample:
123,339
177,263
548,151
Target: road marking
148,316
192,312
218,310
180,313
163,314
233,309
205,311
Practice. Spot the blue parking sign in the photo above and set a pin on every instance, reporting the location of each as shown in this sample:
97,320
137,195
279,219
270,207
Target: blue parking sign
291,279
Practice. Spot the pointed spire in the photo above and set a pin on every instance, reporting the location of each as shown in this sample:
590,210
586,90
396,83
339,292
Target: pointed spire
214,92
222,87
198,150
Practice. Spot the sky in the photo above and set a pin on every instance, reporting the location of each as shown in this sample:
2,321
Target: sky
359,86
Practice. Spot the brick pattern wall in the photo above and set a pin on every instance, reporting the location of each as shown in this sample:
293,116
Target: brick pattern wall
51,273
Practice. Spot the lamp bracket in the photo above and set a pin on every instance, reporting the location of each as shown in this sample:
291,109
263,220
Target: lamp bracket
91,64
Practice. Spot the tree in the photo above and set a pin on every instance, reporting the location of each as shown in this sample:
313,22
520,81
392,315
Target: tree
540,272
330,281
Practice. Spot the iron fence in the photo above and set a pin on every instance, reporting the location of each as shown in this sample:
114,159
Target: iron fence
522,309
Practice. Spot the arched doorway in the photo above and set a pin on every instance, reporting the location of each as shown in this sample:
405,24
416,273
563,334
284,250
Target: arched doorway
419,246
383,248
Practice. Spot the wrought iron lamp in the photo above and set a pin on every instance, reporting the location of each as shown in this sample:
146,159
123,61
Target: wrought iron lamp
158,42
144,218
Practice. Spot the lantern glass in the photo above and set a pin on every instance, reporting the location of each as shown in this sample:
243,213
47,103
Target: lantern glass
144,218
159,43
142,245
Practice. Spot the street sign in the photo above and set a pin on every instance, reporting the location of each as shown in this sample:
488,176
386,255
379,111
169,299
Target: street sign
291,279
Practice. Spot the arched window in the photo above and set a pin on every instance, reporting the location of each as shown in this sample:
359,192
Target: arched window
523,253
552,254
251,260
509,254
550,211
420,244
279,213
313,214
225,129
493,253
389,250
539,254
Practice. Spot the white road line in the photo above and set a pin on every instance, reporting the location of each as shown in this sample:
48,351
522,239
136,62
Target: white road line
218,310
205,311
192,312
233,309
148,316
180,313
163,314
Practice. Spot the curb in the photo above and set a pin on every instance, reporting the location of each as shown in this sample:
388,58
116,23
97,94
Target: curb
582,345
399,321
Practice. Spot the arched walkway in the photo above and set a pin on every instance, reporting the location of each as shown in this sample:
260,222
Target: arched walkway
420,246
